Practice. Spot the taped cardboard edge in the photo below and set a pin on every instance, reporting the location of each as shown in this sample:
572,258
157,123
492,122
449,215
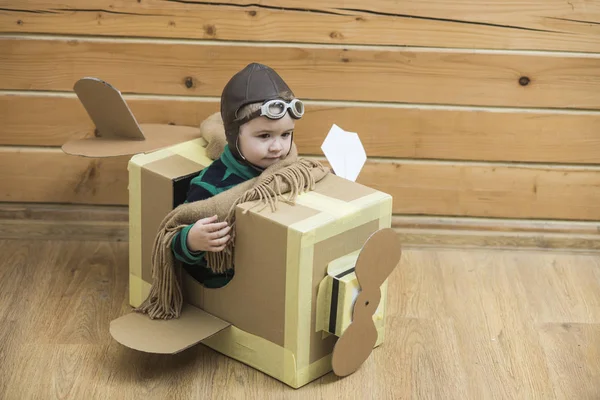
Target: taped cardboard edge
373,198
135,218
342,264
291,336
267,357
194,150
256,352
350,221
302,237
305,293
197,145
329,205
323,305
386,213
139,290
316,369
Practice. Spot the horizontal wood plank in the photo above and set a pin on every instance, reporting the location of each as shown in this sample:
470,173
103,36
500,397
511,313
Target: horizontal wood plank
429,76
453,232
532,24
63,212
72,230
110,223
466,224
26,221
432,188
59,117
510,191
405,132
50,176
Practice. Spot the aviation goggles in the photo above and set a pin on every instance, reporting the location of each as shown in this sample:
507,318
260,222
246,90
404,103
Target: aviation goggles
276,109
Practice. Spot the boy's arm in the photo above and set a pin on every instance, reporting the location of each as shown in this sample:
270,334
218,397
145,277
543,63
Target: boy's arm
181,250
179,243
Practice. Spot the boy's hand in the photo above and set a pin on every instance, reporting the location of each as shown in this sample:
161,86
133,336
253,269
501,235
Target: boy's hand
208,235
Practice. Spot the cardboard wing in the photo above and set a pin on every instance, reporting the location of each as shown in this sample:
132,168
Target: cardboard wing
139,332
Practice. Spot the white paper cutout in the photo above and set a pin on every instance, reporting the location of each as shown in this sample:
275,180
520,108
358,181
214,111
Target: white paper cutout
345,152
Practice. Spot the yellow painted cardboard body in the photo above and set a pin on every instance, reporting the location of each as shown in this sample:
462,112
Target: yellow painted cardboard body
281,260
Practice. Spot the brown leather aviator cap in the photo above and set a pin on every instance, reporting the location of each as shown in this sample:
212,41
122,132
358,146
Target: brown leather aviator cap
255,83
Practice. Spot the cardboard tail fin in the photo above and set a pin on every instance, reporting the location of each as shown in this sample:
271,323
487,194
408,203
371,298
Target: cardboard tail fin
108,110
117,133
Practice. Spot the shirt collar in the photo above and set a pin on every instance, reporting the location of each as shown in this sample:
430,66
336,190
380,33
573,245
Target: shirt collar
239,169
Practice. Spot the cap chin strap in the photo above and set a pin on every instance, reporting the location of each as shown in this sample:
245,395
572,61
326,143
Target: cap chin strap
237,147
248,163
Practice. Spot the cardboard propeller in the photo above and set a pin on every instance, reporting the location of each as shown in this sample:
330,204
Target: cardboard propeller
376,261
117,132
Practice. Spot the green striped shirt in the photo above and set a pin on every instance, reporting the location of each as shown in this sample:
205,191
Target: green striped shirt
224,173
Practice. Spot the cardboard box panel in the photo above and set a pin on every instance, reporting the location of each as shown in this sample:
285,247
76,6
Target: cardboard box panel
165,182
340,228
316,231
254,299
158,182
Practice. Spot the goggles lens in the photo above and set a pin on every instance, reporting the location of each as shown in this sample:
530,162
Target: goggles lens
276,109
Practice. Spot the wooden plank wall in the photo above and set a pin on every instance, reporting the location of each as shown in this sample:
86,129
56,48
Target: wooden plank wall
477,109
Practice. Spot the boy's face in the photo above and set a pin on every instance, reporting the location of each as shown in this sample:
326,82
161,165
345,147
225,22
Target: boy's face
264,141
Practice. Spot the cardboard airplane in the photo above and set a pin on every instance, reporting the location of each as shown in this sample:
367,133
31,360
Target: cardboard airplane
308,295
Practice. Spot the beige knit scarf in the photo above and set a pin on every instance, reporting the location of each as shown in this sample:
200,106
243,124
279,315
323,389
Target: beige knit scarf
291,176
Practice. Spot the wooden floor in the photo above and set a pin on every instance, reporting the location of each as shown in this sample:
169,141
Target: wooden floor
469,324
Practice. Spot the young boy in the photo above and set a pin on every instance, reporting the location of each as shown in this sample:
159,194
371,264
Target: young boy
258,111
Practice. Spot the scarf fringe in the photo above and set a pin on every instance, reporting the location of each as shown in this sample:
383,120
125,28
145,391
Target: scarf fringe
165,299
